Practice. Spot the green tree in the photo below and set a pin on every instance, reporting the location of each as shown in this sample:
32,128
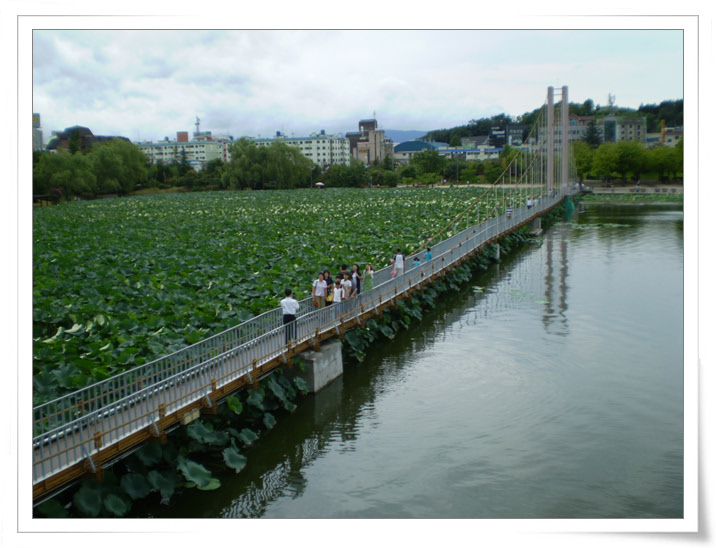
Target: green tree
605,161
183,164
71,173
677,159
428,161
275,166
160,174
390,178
407,171
119,166
287,167
211,174
75,141
493,172
631,158
591,137
455,169
583,156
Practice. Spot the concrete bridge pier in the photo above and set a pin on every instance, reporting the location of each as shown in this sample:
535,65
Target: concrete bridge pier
321,367
536,226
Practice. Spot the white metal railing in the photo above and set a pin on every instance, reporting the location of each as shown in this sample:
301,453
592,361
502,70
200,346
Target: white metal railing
66,429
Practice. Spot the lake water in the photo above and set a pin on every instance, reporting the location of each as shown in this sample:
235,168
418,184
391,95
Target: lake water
551,386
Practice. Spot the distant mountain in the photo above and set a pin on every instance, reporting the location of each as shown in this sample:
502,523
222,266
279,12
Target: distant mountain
401,135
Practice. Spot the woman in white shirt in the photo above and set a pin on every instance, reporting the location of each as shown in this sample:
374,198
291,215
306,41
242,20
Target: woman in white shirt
319,291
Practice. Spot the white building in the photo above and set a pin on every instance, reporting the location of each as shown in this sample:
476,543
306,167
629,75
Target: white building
320,148
198,153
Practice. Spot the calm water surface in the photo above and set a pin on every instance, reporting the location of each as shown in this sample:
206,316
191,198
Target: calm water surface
550,387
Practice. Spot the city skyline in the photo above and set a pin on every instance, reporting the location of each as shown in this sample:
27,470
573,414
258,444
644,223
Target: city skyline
255,83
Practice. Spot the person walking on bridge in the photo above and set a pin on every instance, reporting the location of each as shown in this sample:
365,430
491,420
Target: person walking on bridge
290,307
399,263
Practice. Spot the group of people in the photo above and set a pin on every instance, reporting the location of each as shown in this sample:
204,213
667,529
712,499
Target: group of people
347,285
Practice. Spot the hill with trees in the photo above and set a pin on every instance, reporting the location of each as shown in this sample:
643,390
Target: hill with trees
672,112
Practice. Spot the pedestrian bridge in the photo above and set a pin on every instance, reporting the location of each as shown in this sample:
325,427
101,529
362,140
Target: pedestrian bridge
88,430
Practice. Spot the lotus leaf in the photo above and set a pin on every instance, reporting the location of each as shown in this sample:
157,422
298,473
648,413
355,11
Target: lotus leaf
52,509
164,481
204,433
255,399
234,459
301,385
116,505
234,403
269,420
135,485
194,472
88,499
248,436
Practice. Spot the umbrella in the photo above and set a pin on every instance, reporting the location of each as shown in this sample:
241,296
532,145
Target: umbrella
320,184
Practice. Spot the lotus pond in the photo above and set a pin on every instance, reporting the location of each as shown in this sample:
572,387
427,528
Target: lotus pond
121,281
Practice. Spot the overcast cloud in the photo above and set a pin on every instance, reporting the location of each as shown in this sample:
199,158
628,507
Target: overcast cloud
148,84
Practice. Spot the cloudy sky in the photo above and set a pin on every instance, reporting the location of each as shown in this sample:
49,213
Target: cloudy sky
148,84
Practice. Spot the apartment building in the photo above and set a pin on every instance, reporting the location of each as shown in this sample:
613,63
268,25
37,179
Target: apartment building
198,153
613,129
322,149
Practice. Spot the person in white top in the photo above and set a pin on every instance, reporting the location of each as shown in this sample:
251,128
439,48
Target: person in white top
290,307
319,291
338,297
399,263
347,286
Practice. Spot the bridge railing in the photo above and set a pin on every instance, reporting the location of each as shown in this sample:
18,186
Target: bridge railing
192,373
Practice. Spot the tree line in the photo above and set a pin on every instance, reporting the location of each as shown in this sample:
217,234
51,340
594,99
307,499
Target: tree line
628,159
119,167
672,112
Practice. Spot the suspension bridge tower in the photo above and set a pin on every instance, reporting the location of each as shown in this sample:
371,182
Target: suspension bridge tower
561,149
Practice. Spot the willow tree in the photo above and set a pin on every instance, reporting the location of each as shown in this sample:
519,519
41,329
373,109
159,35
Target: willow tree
261,167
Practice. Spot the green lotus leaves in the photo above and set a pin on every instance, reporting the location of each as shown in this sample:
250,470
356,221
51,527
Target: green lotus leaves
150,454
301,385
116,505
276,389
195,473
110,287
215,483
269,420
255,399
135,485
204,433
234,459
88,499
163,481
248,436
234,403
52,509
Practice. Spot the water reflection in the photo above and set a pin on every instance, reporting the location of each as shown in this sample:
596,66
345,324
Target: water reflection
555,321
